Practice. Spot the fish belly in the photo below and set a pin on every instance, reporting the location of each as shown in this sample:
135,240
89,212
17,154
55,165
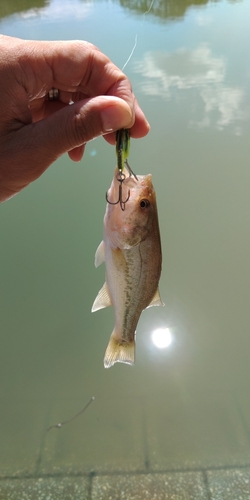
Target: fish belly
131,287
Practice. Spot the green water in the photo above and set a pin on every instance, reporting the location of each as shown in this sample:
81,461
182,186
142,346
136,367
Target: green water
184,406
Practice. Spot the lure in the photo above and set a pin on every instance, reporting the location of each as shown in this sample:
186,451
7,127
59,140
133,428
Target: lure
122,147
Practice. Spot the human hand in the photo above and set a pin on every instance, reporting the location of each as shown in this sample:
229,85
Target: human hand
34,131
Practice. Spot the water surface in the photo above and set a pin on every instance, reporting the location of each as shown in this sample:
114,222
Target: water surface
187,405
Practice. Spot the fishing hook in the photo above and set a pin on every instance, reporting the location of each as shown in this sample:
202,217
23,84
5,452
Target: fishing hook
130,170
122,152
120,178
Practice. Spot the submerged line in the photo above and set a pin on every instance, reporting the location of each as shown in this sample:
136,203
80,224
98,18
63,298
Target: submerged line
59,425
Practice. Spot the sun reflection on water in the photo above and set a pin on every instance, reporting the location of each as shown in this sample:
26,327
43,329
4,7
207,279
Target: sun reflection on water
162,338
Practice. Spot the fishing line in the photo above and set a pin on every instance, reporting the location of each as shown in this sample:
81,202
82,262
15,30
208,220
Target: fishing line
136,36
59,425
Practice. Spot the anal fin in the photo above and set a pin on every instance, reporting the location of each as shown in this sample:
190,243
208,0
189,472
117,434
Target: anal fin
156,300
103,299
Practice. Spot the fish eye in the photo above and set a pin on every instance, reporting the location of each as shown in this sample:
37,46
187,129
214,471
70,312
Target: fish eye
144,203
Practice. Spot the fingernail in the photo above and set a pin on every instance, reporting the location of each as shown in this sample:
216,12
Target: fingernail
116,117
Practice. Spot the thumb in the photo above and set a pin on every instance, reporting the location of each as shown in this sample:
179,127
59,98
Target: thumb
32,148
74,125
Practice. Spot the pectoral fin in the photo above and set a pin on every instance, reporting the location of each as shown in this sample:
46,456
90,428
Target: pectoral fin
156,300
103,299
100,255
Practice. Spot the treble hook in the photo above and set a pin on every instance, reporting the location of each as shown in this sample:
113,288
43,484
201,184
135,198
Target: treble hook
130,171
120,178
122,152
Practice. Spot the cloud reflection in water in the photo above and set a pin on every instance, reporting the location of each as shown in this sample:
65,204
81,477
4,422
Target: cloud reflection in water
54,11
166,73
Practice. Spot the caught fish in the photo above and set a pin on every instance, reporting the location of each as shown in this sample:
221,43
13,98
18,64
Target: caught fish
131,250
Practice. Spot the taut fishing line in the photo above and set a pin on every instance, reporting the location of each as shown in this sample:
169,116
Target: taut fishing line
136,36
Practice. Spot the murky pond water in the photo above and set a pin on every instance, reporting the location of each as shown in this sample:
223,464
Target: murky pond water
185,406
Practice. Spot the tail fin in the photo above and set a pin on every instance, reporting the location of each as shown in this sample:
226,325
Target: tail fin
119,353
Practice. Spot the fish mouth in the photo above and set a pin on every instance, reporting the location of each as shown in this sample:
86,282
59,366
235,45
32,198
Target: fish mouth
142,186
126,186
133,181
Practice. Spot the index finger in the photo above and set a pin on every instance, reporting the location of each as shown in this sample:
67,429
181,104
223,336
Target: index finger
78,69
